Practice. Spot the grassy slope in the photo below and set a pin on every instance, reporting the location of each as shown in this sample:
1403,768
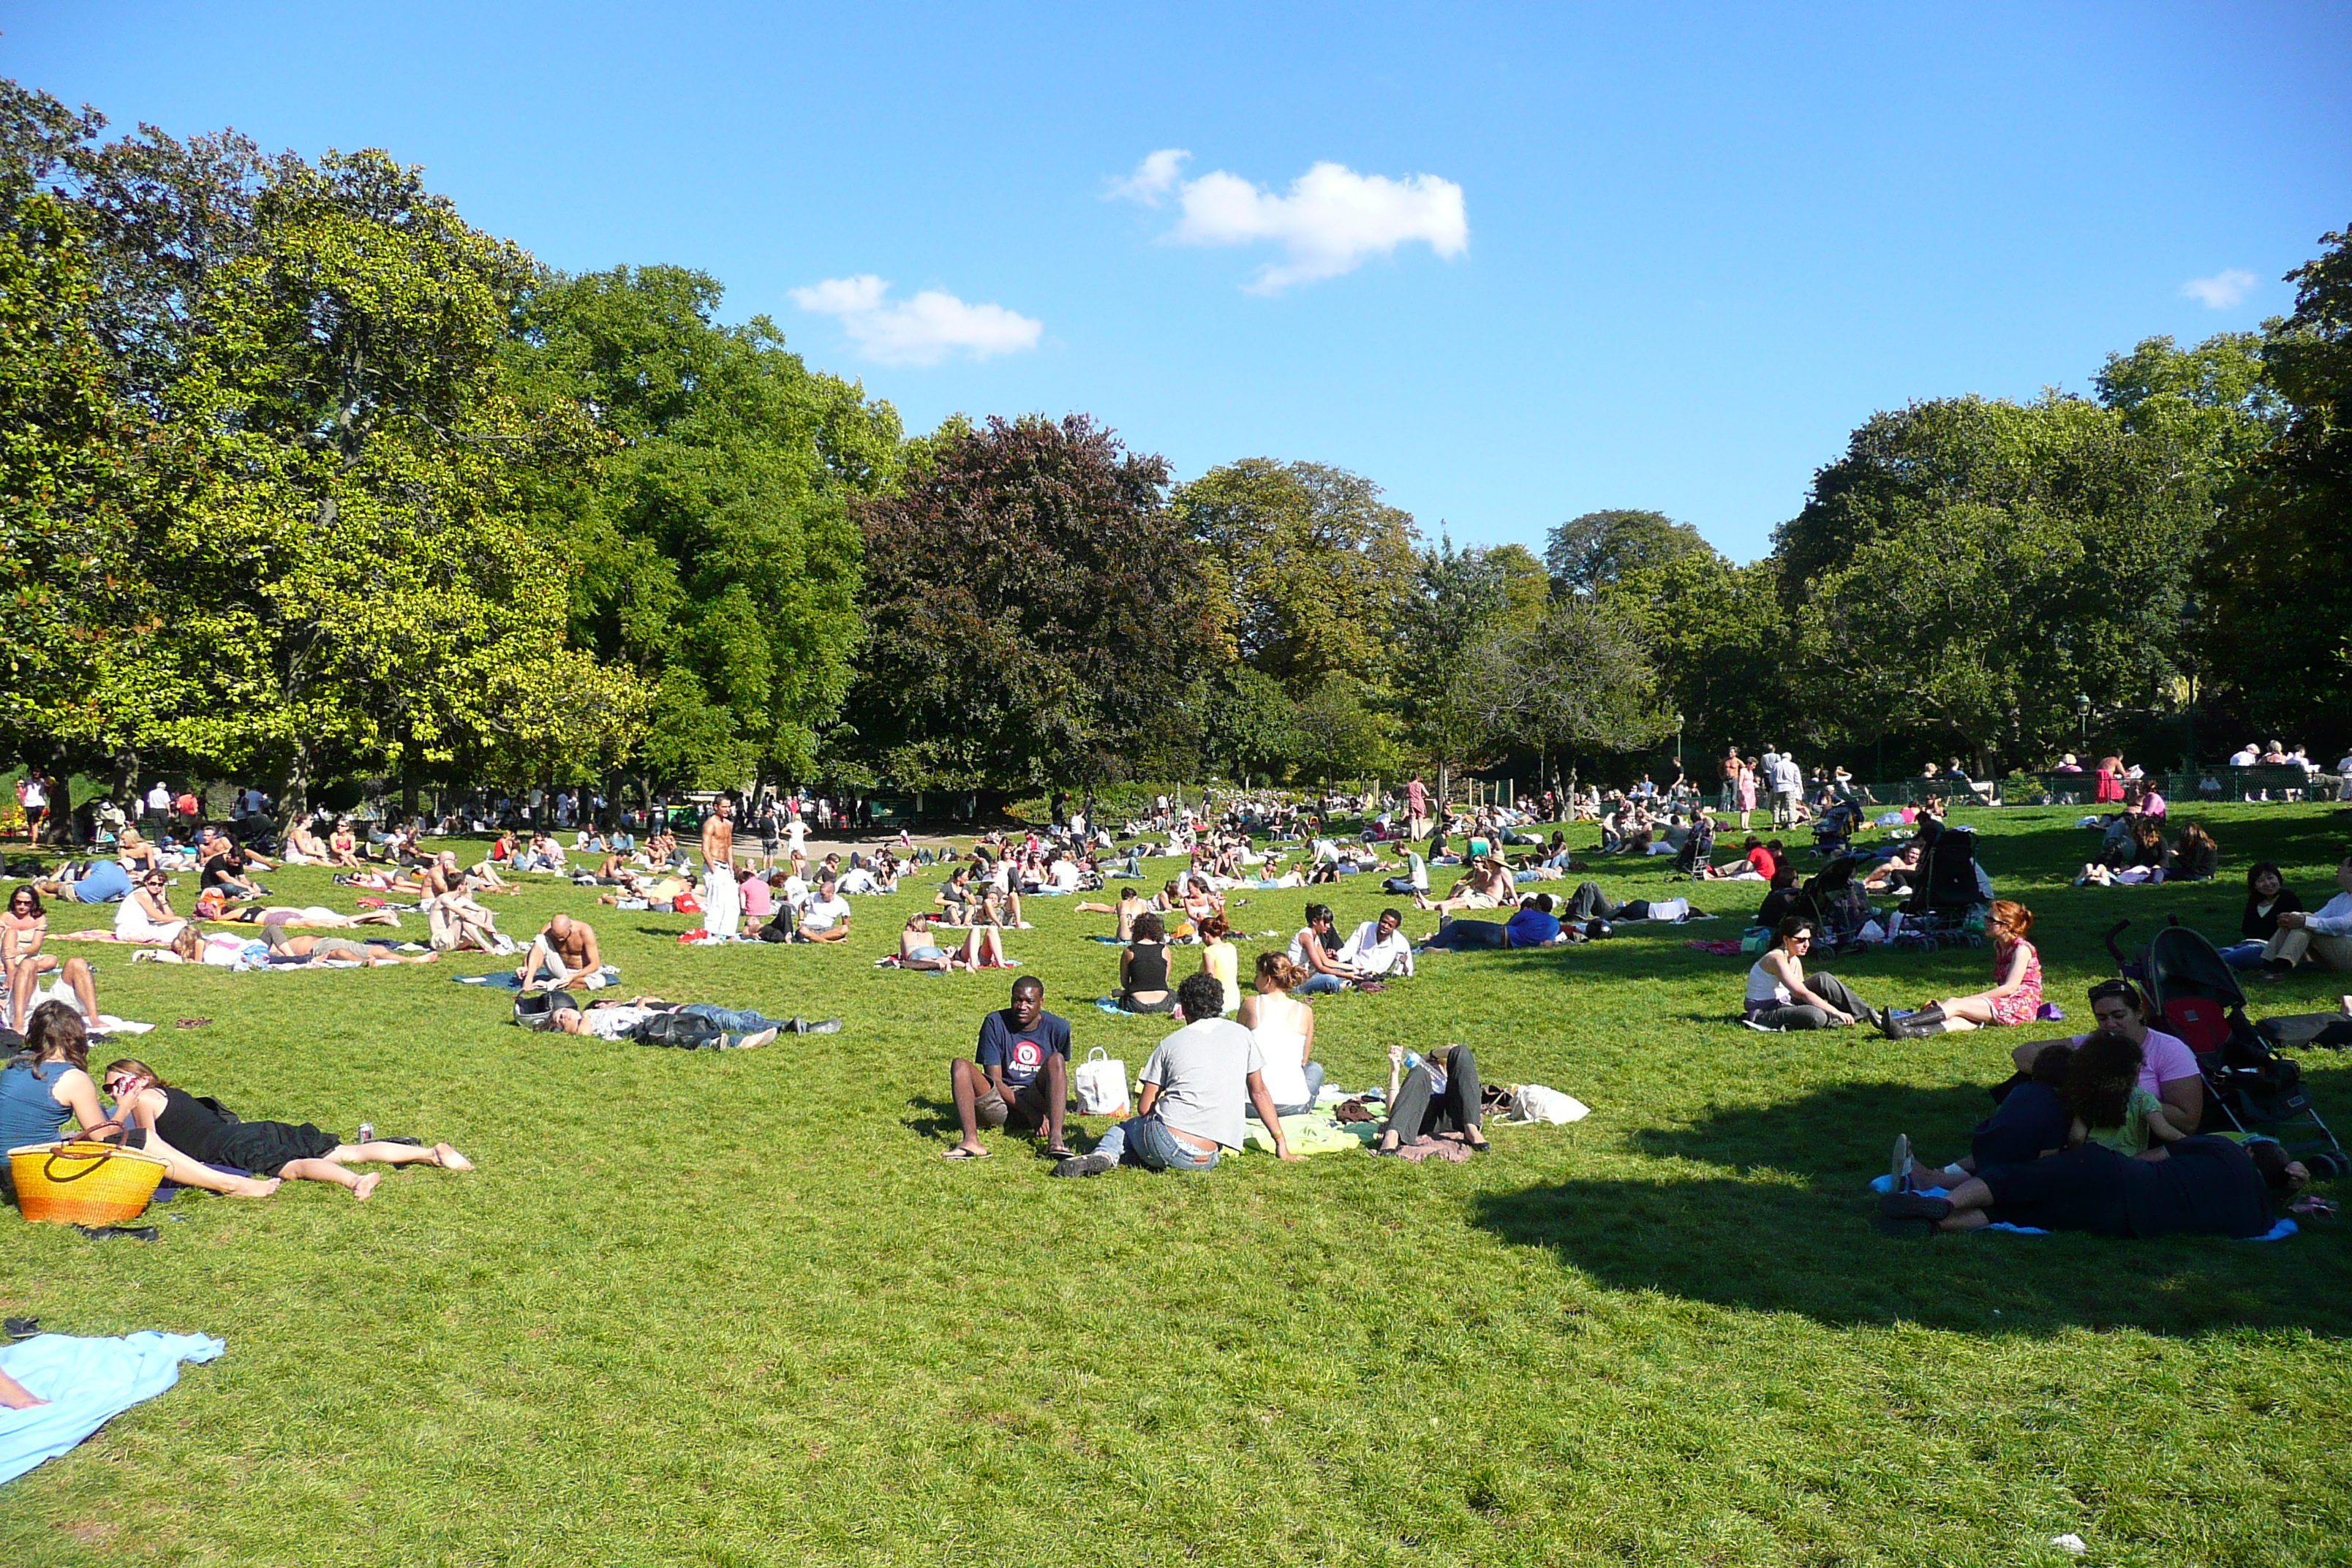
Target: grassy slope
732,1309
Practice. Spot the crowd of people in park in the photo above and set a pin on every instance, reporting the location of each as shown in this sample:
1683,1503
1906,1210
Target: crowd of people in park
1242,1045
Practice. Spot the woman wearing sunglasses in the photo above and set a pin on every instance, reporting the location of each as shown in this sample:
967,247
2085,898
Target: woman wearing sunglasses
48,1087
146,915
268,1149
1781,995
21,963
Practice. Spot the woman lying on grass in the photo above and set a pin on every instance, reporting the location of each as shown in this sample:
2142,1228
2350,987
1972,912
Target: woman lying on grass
2200,1186
50,1085
268,1149
2016,995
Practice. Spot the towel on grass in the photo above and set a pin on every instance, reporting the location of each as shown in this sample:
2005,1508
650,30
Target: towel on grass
2279,1232
87,1383
504,979
1312,1133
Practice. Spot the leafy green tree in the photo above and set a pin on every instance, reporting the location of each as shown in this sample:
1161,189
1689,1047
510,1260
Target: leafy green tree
313,557
1971,566
1593,552
1036,611
1247,724
718,558
1340,735
1317,569
2277,594
1574,681
1721,645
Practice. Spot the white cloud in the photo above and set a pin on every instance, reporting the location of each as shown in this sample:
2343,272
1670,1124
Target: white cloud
923,330
1331,221
1153,178
2221,291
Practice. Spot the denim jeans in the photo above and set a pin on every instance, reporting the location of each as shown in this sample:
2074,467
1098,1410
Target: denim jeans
1145,1140
1320,984
734,1020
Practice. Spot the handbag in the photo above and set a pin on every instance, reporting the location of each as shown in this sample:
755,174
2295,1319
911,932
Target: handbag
1100,1084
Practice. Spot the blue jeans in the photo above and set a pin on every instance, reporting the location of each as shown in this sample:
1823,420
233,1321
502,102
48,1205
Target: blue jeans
734,1020
1319,984
1145,1140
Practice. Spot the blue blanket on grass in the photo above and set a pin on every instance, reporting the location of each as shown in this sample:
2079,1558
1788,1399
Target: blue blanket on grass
87,1383
2279,1232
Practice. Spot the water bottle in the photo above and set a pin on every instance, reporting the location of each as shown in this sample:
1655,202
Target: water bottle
367,1133
1412,1060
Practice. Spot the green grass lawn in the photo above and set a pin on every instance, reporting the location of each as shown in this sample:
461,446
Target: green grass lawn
703,1309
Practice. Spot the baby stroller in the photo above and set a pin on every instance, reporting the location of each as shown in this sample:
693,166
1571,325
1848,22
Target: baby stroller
2249,1086
1946,903
1836,904
1698,849
1834,833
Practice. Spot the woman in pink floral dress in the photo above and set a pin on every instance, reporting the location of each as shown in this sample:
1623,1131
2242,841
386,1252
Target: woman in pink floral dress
2016,995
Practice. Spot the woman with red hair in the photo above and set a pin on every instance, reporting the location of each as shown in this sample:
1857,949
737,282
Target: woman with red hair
2016,995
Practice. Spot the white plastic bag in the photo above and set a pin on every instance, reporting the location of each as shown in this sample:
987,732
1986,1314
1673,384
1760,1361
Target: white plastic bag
1101,1085
1534,1102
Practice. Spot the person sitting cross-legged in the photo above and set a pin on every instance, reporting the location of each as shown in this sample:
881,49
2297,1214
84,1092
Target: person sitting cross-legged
1781,995
564,956
1195,1086
1021,1082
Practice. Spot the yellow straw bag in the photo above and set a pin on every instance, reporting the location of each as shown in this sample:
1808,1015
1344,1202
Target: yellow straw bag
83,1182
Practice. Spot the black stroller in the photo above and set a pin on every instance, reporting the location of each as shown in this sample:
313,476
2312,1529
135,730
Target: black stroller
1946,908
2249,1086
1834,831
1698,849
1835,903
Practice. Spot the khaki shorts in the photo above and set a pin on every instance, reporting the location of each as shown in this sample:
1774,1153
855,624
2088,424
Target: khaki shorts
1026,1113
1478,901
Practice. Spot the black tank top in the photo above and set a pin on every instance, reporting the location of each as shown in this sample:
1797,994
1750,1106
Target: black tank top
1147,967
188,1126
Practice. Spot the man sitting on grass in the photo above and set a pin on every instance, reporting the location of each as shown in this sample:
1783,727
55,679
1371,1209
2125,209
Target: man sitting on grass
824,916
567,949
1021,1081
1194,1088
1379,947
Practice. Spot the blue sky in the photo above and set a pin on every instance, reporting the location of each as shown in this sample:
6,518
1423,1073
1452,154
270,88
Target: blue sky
1666,260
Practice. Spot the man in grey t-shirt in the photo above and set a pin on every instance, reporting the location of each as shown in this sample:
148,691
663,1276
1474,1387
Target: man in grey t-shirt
1194,1089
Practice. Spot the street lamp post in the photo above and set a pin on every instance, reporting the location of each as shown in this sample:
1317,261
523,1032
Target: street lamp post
2082,708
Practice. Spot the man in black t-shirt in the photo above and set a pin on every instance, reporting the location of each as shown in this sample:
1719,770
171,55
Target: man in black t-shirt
1021,1080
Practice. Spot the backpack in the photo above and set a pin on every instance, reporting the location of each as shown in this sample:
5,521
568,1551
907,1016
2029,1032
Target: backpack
685,1031
538,1011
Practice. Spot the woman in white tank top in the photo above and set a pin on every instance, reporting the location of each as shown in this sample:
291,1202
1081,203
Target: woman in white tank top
1284,1028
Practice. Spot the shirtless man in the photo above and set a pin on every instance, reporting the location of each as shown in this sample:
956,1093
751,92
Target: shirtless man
373,954
722,899
1488,886
568,947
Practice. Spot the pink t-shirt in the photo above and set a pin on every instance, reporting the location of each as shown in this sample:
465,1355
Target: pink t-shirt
2162,1059
759,899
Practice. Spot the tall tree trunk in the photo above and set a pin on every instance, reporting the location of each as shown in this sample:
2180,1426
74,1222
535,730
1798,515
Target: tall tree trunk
294,800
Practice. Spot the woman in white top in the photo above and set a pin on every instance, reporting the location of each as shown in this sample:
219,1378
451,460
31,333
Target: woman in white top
1284,1028
146,915
1780,995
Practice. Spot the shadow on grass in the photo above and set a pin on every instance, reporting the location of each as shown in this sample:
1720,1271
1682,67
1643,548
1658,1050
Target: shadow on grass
1789,1232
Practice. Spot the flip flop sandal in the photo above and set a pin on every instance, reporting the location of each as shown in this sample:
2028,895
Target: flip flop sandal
191,1023
956,1154
1059,1154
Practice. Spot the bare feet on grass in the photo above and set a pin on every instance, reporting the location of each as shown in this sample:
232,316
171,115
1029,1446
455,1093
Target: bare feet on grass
366,1186
256,1187
448,1159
